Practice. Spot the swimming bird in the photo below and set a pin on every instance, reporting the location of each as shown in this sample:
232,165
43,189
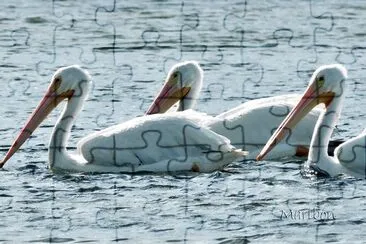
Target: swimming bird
159,143
327,86
249,125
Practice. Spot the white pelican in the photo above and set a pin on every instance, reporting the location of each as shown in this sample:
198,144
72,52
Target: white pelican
249,125
327,86
159,143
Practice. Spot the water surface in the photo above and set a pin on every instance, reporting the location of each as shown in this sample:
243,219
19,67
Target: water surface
248,50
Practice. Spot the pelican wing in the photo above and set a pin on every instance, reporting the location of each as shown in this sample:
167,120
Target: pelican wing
292,99
352,154
156,143
250,125
199,118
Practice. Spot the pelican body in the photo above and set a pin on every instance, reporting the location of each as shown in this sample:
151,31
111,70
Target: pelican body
159,143
249,125
327,86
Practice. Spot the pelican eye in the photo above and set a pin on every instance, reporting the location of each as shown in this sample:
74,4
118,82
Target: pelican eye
57,80
56,83
320,81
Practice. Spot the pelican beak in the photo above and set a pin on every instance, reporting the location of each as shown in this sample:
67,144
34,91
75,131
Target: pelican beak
172,92
308,101
46,105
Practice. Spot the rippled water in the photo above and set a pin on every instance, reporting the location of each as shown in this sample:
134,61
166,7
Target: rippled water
247,49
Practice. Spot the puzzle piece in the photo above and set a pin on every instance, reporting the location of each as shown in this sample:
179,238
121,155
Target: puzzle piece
59,58
212,97
248,50
233,22
344,32
115,100
120,218
326,79
20,37
189,21
181,154
147,44
6,207
271,47
61,222
352,154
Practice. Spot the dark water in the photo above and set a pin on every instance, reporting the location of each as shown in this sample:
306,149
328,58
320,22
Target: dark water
247,49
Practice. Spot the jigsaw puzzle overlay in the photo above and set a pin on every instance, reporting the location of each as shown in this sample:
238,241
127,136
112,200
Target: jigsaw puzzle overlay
247,50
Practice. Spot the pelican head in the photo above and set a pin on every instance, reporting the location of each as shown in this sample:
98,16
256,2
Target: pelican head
183,84
70,79
68,83
326,83
327,78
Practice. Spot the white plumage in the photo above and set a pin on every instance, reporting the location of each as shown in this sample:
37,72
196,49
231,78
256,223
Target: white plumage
159,143
327,86
249,125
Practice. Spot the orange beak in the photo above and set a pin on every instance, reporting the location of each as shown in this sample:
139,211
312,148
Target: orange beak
309,100
171,93
50,100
